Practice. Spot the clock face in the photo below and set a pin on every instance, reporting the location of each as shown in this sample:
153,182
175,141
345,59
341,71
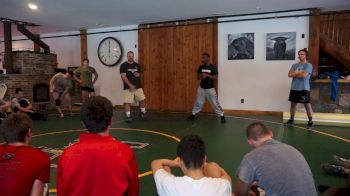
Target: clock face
110,51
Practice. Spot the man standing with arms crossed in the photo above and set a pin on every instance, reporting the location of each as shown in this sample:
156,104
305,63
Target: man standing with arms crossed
130,72
300,89
207,73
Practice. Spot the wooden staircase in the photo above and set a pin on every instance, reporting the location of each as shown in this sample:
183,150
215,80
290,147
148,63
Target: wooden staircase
334,37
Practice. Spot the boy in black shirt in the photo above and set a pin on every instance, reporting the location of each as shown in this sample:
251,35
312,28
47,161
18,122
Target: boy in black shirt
207,73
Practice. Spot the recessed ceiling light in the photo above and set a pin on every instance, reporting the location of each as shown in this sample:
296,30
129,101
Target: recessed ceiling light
32,6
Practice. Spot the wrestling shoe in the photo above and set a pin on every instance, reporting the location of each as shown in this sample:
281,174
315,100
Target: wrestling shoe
191,117
341,161
129,119
222,119
143,116
334,170
310,125
289,123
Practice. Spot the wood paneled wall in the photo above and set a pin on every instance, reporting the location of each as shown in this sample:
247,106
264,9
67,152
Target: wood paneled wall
169,57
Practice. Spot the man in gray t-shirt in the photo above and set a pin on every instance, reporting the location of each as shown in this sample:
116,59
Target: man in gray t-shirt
277,168
60,84
300,88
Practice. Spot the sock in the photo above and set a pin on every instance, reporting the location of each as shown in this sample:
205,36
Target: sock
143,110
310,119
128,114
221,114
193,113
291,117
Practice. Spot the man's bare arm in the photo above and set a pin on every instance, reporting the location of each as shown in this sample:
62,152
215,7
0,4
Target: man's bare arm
165,164
95,77
127,82
215,171
293,74
38,188
242,188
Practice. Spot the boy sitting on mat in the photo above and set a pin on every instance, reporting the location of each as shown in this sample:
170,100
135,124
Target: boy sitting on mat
21,104
200,177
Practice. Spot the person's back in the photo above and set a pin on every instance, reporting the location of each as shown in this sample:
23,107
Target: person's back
23,170
185,185
20,166
280,169
277,168
200,178
97,164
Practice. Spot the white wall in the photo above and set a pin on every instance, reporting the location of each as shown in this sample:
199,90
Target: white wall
263,85
109,82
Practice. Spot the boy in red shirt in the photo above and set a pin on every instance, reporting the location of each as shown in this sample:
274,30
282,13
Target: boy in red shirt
97,164
23,170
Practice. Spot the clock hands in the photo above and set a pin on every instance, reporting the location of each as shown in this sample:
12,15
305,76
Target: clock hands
109,46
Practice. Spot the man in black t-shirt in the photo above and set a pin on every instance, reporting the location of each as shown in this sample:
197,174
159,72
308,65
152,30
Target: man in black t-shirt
207,73
130,72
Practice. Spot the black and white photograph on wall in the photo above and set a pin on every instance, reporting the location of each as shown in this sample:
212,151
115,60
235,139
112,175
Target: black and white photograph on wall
240,46
280,46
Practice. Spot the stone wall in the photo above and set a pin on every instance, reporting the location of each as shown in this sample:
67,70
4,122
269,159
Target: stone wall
31,68
321,102
24,81
34,63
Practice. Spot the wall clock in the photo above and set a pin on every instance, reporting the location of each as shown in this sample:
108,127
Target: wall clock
110,51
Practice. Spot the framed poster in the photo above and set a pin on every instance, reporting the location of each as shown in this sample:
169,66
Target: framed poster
240,46
280,46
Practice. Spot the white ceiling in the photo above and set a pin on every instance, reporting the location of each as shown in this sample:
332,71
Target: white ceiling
70,15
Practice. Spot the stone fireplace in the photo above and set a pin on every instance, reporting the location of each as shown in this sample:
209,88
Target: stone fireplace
31,71
41,93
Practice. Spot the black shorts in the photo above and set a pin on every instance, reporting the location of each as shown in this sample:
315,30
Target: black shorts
299,96
88,89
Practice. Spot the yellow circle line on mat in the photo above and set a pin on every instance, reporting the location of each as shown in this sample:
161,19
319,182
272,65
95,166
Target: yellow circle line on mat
128,129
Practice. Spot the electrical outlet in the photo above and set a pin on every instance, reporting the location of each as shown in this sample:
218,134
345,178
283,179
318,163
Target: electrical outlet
242,100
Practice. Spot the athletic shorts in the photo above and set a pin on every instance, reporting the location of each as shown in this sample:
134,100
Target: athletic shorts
299,96
137,95
88,89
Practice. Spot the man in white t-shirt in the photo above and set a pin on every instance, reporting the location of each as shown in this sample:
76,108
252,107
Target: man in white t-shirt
200,178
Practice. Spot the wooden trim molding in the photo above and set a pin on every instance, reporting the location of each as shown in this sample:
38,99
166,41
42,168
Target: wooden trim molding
83,44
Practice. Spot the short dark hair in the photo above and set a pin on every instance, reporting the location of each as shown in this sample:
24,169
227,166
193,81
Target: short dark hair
18,90
130,52
257,130
96,113
303,50
15,127
206,54
191,151
85,59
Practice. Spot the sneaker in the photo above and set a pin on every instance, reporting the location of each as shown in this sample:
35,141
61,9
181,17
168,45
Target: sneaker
341,161
191,117
289,123
143,116
129,119
334,169
222,119
310,125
